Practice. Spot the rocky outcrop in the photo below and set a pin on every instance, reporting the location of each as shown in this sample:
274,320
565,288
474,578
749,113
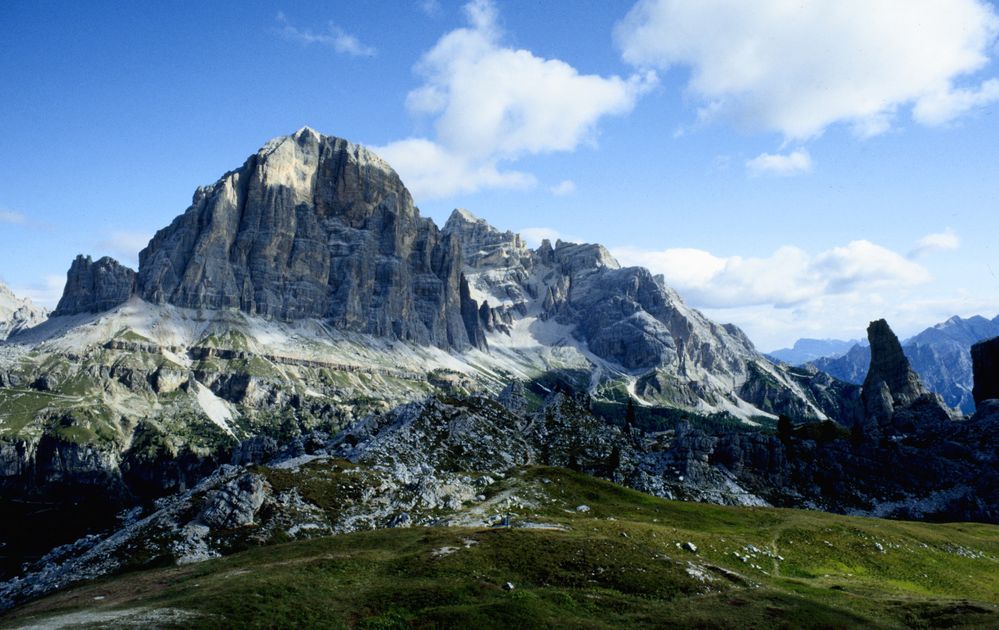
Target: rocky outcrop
17,314
313,226
985,356
892,393
236,503
940,355
95,286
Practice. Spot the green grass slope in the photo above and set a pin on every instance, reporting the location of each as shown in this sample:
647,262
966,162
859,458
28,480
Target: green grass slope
624,562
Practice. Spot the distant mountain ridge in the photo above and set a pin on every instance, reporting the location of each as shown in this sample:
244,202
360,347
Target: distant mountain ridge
16,313
805,350
941,355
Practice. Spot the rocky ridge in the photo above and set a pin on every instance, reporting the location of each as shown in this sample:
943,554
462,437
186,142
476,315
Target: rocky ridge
17,314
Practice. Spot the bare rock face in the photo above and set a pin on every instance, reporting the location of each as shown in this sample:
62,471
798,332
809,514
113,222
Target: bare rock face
313,226
985,359
95,286
17,314
892,392
236,503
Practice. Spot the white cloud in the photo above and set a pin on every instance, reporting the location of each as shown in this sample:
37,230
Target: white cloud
794,163
787,278
125,246
938,241
534,235
15,218
43,293
563,188
943,107
797,67
493,104
334,37
430,7
430,170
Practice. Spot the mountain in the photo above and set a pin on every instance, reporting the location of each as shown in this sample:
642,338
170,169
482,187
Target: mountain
303,292
17,314
941,355
806,350
307,280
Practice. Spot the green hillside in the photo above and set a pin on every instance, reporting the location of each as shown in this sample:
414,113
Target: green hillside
624,560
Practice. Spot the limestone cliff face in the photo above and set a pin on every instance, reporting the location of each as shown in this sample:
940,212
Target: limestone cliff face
313,226
985,356
95,286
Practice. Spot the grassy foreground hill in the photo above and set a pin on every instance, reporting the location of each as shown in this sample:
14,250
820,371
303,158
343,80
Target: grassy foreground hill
584,553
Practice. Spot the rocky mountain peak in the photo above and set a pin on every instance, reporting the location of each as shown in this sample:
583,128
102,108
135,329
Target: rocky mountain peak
17,313
891,383
95,286
313,226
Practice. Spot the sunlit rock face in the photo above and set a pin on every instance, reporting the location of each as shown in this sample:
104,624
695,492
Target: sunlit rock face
313,226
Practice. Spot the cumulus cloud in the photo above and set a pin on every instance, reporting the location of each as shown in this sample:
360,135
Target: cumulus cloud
787,278
936,242
335,37
491,103
563,188
15,218
797,67
782,165
125,246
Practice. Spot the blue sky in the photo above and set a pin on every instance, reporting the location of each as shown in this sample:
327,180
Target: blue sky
798,168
